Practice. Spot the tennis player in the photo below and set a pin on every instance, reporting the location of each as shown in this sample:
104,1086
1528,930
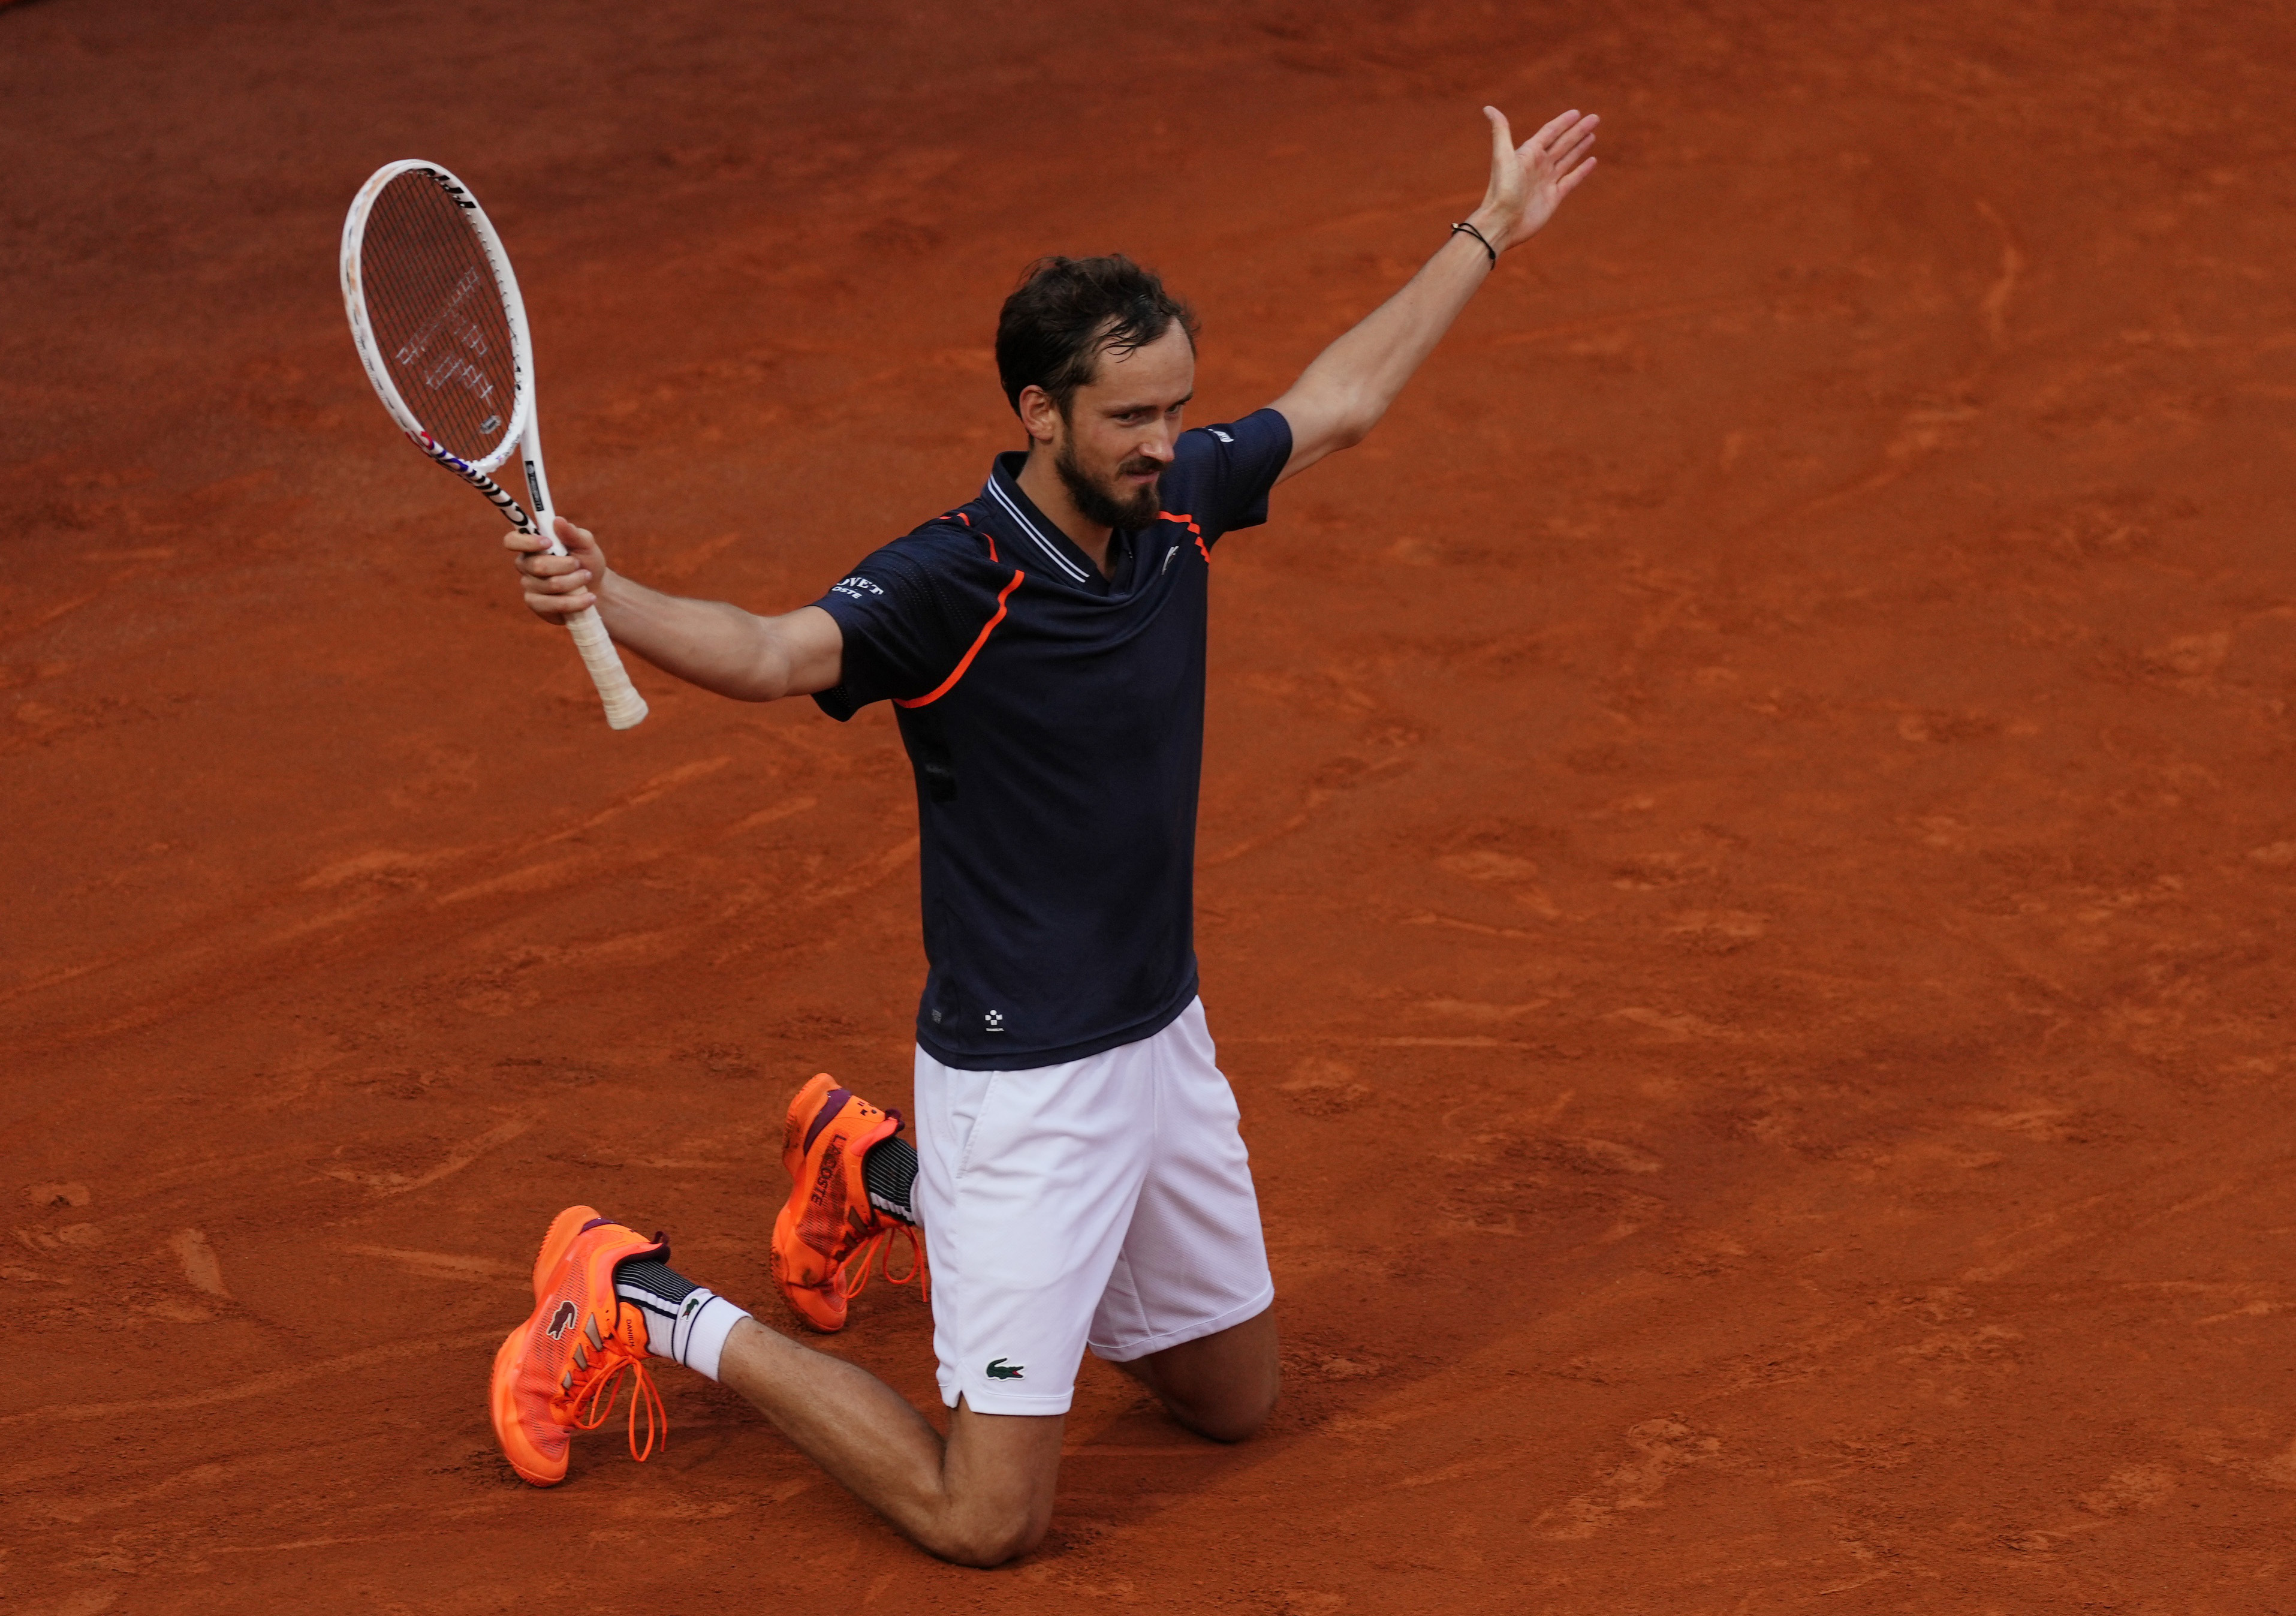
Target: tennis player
1077,1170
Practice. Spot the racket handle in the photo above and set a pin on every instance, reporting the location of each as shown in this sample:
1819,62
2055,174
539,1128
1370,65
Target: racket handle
624,706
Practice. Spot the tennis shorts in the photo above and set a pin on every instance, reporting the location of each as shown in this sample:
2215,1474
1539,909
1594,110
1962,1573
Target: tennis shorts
1105,1201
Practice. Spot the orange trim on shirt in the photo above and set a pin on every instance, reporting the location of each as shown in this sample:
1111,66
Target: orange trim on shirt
949,683
987,537
1187,521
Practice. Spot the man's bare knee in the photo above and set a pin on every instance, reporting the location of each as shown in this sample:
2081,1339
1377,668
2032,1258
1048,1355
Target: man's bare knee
995,1497
1235,1425
1231,1417
986,1542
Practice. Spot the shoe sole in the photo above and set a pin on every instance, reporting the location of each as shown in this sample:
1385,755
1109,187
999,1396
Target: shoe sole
827,1298
503,1407
801,1109
563,1228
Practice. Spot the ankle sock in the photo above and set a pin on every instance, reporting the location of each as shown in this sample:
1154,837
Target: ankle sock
684,1321
889,1171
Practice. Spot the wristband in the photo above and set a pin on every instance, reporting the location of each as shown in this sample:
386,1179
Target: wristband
1479,236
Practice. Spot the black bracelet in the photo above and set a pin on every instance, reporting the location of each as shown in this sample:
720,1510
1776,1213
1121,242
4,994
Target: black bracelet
1479,236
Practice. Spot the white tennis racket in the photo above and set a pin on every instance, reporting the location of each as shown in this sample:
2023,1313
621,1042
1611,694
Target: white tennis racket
440,326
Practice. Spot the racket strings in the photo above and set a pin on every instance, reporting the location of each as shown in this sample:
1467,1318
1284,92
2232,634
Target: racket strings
438,316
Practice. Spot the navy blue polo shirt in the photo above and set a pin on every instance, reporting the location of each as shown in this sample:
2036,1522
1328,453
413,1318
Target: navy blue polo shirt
1055,718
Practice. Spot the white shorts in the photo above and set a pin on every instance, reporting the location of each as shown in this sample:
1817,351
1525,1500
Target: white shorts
1105,1201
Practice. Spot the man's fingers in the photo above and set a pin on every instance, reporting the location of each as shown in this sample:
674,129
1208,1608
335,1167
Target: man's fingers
1554,126
1502,138
1569,182
559,596
556,586
1573,139
547,566
1565,159
558,583
558,608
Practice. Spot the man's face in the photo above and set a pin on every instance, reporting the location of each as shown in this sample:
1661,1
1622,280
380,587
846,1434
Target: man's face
1121,426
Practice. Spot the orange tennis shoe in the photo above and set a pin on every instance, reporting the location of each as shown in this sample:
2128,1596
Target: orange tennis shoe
561,1370
828,1233
563,1228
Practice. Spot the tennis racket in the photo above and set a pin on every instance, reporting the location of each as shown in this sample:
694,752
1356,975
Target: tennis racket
440,326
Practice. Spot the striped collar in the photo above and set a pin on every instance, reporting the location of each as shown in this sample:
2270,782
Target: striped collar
1031,527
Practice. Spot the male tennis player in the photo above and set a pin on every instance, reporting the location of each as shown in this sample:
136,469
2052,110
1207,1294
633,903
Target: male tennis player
1078,1168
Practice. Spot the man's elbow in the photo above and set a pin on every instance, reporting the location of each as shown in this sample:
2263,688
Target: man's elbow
1348,429
1325,421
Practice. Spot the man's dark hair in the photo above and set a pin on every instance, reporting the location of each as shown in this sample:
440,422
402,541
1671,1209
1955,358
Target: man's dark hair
1068,312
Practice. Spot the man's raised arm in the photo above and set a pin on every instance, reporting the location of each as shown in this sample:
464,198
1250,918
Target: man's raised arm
1342,395
719,646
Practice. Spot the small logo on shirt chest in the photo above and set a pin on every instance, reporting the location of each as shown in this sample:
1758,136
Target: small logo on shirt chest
1170,556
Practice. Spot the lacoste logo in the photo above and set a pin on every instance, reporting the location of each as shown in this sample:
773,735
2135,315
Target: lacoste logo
832,1159
993,1021
562,1321
999,1370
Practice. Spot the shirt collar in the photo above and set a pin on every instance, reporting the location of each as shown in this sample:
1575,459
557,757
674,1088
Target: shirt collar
1031,527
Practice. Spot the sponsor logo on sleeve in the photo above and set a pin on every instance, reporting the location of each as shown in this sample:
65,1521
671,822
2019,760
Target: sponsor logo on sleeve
860,589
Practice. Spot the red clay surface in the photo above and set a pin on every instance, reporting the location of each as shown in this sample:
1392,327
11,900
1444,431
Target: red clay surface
1747,835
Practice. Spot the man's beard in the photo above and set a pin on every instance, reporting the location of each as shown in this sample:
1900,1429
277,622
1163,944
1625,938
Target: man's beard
1095,504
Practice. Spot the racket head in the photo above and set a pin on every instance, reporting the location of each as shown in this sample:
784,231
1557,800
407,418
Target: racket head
436,316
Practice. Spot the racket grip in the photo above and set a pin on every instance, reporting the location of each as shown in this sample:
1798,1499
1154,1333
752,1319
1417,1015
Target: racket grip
624,706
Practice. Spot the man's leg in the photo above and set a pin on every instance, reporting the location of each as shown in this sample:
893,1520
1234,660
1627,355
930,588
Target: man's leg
1015,1274
1222,1386
1188,1312
606,1303
979,1498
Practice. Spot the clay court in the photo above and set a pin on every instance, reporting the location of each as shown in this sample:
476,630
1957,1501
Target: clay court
1746,844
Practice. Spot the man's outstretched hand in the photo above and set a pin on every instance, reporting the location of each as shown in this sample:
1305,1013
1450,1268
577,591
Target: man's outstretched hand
1529,181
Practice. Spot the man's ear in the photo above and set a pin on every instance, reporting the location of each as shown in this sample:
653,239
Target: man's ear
1040,417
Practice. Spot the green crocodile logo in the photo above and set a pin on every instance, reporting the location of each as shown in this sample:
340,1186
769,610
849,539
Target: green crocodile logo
999,1370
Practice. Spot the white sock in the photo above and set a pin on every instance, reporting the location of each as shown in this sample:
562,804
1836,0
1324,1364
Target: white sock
699,1337
686,1322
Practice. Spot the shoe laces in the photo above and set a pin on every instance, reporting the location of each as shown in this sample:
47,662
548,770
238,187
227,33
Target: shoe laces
852,1275
597,1391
